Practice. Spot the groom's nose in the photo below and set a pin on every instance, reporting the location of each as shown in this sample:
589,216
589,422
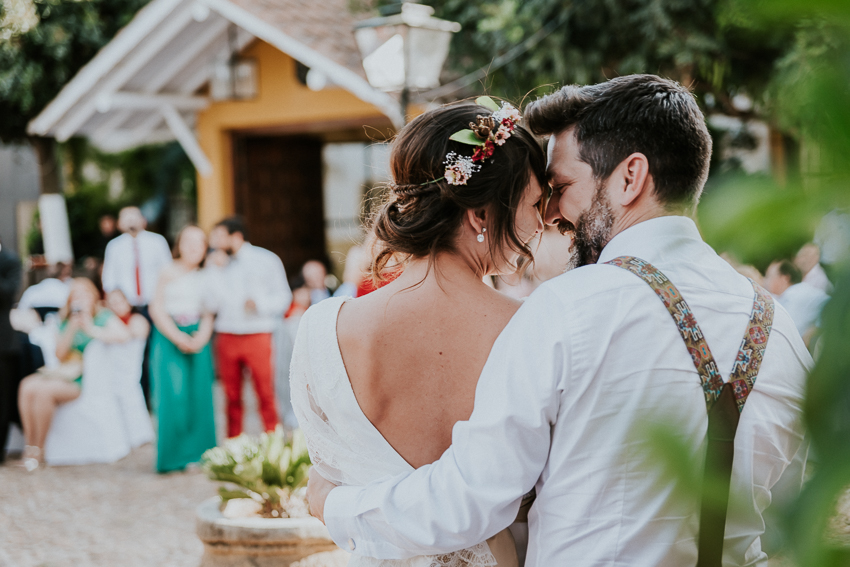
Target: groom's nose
553,211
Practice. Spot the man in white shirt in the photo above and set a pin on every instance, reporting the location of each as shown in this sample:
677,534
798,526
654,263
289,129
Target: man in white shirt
803,301
592,359
250,297
132,263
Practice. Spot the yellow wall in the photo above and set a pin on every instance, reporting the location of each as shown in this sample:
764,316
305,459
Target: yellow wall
282,104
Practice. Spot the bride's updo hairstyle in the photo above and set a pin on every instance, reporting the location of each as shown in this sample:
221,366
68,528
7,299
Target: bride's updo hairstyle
420,219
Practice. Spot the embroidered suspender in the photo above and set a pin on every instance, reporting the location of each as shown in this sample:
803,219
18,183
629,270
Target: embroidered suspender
725,402
752,347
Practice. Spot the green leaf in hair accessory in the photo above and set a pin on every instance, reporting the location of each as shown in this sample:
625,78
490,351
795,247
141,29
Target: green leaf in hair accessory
467,136
487,102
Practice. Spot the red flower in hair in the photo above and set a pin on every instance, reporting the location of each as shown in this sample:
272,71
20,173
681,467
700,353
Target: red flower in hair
483,152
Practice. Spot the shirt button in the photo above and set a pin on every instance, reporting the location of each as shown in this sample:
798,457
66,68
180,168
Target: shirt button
351,544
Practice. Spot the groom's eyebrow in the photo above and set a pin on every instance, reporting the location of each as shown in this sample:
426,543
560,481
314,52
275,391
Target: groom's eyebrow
555,179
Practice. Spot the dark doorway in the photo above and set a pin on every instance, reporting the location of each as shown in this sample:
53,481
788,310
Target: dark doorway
278,185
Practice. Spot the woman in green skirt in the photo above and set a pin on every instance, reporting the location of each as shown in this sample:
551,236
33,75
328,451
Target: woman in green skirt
181,365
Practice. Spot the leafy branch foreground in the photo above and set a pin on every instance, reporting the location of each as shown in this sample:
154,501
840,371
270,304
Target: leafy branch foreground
268,469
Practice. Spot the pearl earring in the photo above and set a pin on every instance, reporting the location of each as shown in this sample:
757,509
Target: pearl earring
480,237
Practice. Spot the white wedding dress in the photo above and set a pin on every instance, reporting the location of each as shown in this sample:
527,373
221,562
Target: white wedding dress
344,446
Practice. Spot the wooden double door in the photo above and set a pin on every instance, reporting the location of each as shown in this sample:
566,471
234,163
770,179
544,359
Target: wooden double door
278,186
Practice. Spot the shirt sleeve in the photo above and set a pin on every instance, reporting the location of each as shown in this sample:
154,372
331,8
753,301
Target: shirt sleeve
277,296
164,256
475,489
109,278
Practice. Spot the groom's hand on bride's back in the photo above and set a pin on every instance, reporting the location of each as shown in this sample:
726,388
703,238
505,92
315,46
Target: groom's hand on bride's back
317,492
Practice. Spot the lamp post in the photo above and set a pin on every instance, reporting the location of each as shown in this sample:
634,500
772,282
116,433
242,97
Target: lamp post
404,49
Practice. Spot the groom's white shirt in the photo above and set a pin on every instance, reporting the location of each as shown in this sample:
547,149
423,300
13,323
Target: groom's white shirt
589,361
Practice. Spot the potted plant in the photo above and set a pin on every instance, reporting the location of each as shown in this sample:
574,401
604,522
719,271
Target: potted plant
260,517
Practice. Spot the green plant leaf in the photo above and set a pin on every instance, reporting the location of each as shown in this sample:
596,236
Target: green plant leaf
467,137
232,494
488,102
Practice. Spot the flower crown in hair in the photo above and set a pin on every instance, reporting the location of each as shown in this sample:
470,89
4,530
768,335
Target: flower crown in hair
486,133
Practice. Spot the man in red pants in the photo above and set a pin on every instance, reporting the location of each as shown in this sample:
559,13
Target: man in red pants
251,294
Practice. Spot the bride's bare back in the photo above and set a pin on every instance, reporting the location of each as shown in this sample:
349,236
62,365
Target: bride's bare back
414,356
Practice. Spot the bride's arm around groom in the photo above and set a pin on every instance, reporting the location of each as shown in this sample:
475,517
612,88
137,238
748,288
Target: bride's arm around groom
476,488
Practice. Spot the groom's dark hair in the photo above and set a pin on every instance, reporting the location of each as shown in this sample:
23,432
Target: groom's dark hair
636,113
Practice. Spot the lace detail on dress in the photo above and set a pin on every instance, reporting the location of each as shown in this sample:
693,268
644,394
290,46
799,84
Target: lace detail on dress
476,556
344,446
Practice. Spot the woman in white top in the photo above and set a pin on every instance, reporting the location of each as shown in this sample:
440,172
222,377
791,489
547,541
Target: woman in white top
180,358
379,381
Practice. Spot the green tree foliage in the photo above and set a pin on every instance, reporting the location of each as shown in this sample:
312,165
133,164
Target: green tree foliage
43,43
708,44
156,174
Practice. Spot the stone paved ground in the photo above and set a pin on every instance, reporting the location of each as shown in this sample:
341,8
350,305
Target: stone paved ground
100,515
118,515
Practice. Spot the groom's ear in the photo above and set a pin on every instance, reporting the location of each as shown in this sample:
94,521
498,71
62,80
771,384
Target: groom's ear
636,179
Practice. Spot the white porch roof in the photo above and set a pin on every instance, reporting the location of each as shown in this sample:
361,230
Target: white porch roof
141,87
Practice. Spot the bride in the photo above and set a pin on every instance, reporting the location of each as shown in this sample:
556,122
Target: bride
379,381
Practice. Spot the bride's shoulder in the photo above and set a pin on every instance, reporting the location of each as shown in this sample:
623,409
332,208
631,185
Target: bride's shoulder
502,301
323,312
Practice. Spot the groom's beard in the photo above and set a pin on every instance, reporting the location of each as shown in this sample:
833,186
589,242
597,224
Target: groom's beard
592,233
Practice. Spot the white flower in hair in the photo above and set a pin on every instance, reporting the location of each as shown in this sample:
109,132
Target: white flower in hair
507,111
459,169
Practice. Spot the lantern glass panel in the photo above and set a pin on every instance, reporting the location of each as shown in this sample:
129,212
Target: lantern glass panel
426,52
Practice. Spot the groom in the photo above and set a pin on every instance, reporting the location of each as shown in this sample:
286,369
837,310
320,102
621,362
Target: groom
593,360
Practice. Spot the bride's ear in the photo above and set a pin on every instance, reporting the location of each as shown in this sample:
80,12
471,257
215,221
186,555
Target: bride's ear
477,219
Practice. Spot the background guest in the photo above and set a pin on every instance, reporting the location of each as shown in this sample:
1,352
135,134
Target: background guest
83,319
135,322
250,295
10,282
808,261
51,293
314,274
355,272
803,301
181,362
132,263
301,300
108,231
284,343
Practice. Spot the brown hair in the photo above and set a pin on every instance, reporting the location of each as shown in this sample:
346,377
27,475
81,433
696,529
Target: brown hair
175,250
635,113
420,219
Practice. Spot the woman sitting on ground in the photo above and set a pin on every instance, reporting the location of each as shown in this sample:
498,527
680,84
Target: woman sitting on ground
83,319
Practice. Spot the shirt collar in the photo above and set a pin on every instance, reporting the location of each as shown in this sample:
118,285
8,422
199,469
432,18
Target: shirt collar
651,238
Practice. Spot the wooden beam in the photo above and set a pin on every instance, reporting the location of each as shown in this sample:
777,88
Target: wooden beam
127,100
123,72
145,22
341,75
214,31
187,139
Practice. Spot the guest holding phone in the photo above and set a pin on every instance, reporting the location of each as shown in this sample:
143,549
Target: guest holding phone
83,319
